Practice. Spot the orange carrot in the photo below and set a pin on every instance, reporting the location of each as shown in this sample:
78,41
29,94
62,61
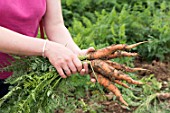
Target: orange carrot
110,72
104,52
121,83
123,67
101,53
121,54
107,83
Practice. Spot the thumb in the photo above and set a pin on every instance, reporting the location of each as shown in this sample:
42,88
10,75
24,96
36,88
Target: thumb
86,51
92,77
90,49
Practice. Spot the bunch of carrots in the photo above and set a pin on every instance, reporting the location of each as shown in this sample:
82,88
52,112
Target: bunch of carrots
108,72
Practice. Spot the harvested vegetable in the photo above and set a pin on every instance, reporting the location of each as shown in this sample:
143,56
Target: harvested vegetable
123,67
121,54
104,52
108,72
111,87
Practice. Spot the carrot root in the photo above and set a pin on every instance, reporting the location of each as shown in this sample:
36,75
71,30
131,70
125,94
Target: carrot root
104,52
106,83
106,70
121,83
121,54
123,67
134,45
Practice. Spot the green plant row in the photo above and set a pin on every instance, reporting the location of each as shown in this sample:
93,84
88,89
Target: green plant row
104,22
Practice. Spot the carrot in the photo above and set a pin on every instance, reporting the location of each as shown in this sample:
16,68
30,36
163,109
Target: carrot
104,52
107,84
101,53
134,45
121,83
121,54
123,67
110,72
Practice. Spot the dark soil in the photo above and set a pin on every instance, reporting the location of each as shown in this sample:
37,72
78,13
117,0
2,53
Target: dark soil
116,108
161,70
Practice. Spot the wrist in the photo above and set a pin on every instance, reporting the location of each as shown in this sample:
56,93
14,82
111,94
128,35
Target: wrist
45,49
49,48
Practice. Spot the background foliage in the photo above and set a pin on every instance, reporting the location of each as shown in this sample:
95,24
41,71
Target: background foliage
97,22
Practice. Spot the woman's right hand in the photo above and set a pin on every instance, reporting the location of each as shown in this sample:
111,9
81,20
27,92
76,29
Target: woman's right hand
63,59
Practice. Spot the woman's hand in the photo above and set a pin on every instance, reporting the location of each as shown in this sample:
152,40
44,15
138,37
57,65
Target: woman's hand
85,64
63,59
85,69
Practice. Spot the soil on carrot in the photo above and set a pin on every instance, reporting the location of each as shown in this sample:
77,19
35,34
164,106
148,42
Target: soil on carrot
161,70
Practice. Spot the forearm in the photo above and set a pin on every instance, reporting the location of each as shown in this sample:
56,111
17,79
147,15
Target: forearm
54,26
60,34
15,43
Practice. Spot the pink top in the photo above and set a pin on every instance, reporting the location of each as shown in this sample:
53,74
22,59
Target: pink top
22,16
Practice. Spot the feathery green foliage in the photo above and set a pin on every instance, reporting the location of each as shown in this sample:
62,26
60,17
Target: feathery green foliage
37,87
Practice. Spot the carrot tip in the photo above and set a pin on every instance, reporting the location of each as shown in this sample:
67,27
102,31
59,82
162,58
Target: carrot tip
140,69
141,83
125,103
134,45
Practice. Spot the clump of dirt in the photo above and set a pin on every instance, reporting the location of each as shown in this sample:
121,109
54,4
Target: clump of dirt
161,70
113,107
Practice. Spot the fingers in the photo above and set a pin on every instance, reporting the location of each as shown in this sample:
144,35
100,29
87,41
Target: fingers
85,64
66,70
86,51
72,67
65,66
77,63
83,72
85,69
60,72
93,80
90,49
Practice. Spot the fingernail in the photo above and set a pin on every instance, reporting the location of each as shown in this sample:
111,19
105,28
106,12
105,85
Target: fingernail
93,80
83,70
